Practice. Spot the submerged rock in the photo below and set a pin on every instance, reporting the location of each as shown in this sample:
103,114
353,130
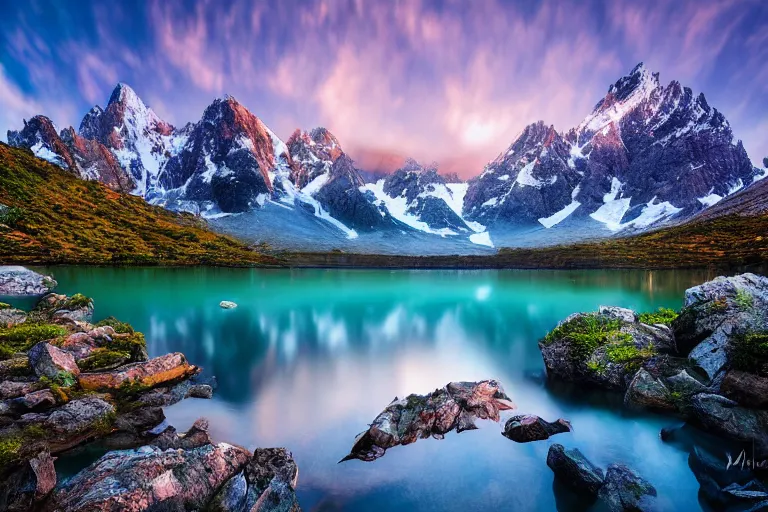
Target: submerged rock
573,469
22,281
226,304
154,372
715,312
454,407
727,487
625,490
527,428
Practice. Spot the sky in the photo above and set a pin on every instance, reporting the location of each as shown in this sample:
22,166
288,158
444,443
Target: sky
446,81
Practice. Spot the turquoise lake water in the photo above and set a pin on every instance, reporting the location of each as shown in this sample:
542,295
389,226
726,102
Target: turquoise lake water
310,357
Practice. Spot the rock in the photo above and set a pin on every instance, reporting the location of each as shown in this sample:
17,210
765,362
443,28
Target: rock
527,428
723,486
62,309
48,361
574,470
11,389
599,349
747,389
22,281
625,490
35,401
200,391
78,416
227,304
645,391
149,478
724,417
195,437
140,420
28,485
80,345
15,367
11,316
420,416
623,314
154,372
716,311
684,384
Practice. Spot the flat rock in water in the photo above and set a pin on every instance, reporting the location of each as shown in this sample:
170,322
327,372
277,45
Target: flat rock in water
454,407
226,304
527,428
21,281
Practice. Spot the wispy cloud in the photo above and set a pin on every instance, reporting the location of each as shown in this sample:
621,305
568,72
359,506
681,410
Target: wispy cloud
436,79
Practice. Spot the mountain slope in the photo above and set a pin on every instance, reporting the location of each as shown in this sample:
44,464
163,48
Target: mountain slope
50,216
645,154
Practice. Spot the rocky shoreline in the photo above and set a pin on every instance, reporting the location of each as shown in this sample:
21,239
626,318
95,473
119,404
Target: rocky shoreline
66,383
706,365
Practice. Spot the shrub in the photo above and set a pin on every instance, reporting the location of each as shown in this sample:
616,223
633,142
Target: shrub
749,352
661,316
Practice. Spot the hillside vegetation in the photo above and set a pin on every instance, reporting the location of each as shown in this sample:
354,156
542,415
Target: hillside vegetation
50,216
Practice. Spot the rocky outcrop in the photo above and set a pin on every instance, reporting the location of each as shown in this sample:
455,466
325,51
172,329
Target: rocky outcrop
48,360
27,487
152,373
748,389
22,281
727,487
148,477
454,407
602,349
575,470
11,316
625,490
62,309
717,311
527,428
726,418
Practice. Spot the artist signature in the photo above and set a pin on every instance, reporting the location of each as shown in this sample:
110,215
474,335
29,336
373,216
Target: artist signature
743,461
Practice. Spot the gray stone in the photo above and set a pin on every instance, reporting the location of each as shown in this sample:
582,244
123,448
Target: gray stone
725,417
625,490
575,470
646,391
623,314
21,281
48,361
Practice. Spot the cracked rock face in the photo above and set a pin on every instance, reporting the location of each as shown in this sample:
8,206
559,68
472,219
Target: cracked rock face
454,407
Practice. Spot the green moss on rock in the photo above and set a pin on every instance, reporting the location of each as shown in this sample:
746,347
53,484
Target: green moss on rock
749,352
585,333
663,316
3,305
117,325
103,358
21,337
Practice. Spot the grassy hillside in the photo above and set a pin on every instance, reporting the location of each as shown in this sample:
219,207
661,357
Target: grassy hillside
729,242
52,217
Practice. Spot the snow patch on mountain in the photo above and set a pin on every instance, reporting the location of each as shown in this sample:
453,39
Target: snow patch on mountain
559,216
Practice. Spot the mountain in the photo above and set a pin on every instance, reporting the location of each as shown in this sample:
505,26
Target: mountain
421,198
87,159
646,154
59,218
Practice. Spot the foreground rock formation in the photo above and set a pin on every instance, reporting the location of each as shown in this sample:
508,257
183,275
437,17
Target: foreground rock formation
66,383
22,281
454,407
708,364
527,428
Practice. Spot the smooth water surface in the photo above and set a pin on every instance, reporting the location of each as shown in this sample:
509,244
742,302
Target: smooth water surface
310,357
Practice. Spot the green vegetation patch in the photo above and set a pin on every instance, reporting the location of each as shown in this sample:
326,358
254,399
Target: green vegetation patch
744,299
12,445
585,333
3,305
76,301
132,344
21,337
103,358
661,316
117,325
749,352
622,351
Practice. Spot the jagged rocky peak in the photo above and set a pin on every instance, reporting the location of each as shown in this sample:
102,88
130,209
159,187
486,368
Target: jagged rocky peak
412,179
314,153
96,162
39,135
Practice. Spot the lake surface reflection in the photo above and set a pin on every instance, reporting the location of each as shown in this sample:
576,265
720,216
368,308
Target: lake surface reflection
310,357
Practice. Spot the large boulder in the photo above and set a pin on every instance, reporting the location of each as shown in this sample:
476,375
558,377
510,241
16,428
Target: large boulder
78,416
726,418
150,478
454,407
647,391
603,349
747,389
714,313
573,469
527,428
625,490
139,376
48,360
267,484
22,281
27,485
